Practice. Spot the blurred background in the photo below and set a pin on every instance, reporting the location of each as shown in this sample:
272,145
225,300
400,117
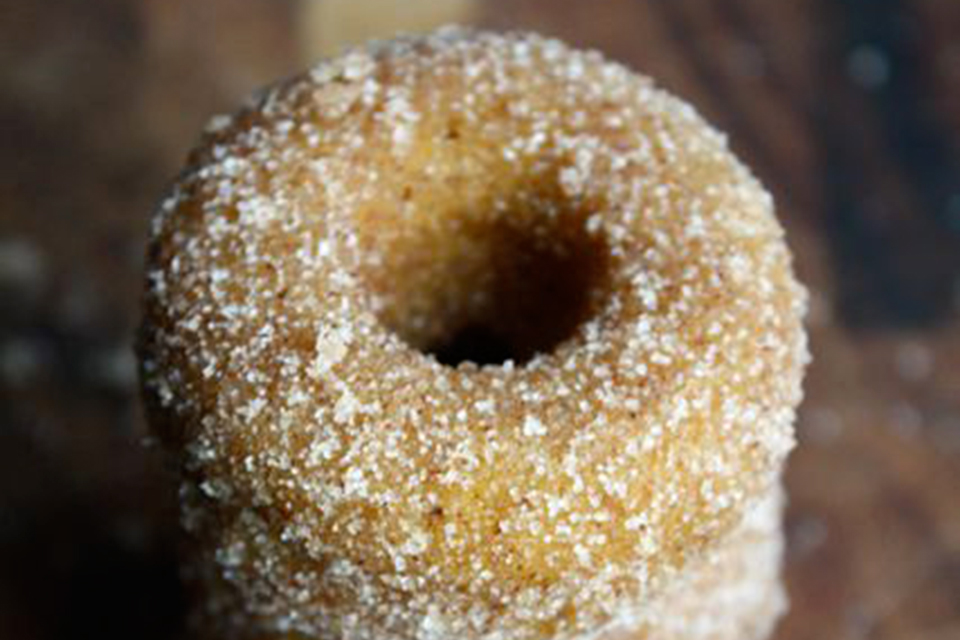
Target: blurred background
849,110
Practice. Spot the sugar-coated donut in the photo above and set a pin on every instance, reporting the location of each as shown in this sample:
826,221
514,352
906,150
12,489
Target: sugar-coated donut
471,336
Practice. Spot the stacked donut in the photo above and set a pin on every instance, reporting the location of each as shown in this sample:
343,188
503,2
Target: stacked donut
474,336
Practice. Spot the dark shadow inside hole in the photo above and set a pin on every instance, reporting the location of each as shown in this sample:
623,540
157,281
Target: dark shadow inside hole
468,286
538,292
475,344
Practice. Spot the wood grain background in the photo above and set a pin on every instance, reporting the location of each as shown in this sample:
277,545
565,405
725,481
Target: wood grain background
848,109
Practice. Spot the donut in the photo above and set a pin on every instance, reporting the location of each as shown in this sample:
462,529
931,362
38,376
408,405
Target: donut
473,335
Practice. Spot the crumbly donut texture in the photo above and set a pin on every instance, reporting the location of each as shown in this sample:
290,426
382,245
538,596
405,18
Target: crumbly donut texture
320,277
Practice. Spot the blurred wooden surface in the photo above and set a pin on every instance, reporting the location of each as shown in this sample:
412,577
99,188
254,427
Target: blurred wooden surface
848,109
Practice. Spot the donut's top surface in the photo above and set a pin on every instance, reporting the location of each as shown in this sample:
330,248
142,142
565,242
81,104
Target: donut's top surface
337,253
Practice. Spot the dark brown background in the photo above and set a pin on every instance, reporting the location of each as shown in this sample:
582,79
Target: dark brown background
848,109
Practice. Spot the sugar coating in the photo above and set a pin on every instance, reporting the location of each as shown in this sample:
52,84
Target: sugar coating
339,482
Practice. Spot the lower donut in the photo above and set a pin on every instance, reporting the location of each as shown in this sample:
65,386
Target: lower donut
733,593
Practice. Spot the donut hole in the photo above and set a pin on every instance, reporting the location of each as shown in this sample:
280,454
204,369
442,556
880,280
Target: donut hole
489,285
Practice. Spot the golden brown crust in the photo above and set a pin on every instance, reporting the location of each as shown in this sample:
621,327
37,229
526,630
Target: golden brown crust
342,482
